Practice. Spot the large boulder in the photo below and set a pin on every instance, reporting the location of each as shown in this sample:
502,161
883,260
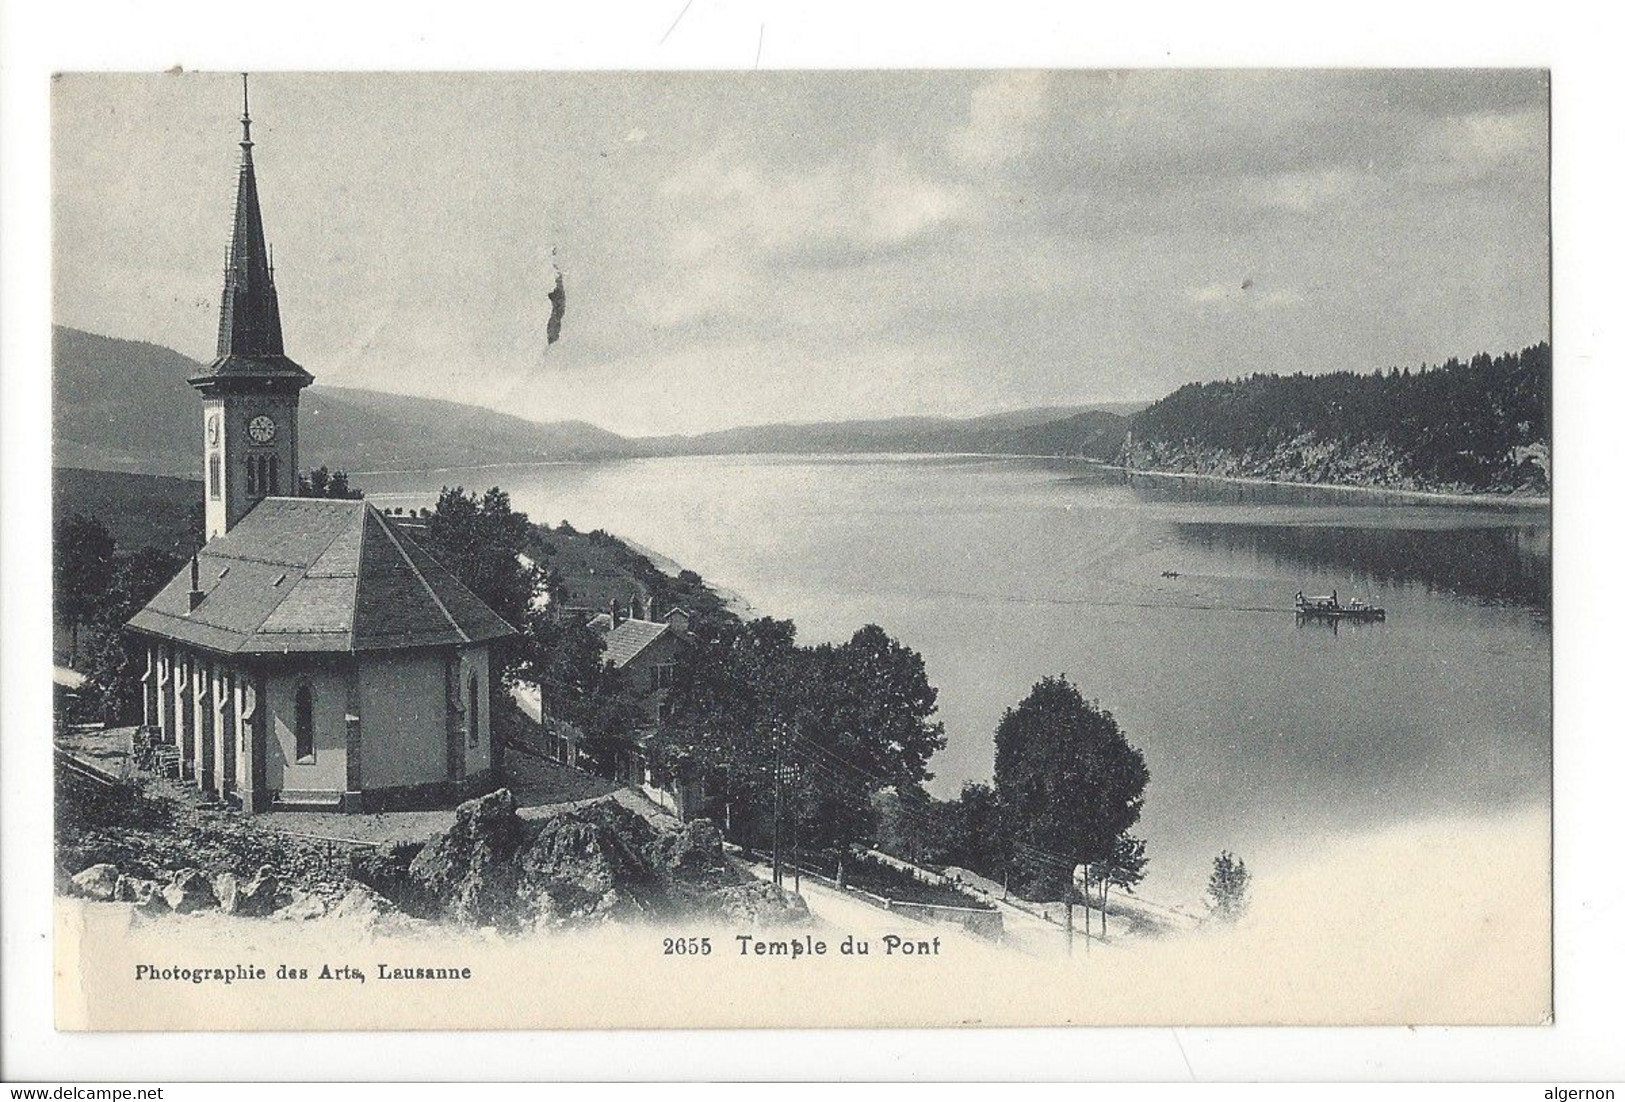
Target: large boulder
145,894
589,863
97,882
226,892
469,873
304,907
387,869
693,849
757,903
260,896
189,890
362,905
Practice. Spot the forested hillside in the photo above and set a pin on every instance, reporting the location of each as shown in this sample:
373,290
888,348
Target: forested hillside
1474,426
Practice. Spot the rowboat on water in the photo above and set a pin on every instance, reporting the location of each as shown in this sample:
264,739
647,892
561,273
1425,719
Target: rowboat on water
1329,608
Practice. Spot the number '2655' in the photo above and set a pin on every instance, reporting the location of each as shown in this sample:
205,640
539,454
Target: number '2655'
687,947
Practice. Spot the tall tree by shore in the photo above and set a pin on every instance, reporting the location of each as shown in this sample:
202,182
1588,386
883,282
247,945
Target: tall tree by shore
1068,782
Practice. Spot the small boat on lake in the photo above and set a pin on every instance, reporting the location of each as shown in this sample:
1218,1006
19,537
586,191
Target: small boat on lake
1329,608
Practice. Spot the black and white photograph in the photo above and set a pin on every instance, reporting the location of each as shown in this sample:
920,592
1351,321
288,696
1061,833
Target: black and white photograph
1041,547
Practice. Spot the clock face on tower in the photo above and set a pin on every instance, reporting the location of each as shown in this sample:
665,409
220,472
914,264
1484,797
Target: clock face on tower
262,430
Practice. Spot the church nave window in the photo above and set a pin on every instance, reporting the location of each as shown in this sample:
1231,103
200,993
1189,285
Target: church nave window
304,724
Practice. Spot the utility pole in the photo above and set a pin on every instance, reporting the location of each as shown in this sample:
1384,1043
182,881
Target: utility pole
778,805
1086,910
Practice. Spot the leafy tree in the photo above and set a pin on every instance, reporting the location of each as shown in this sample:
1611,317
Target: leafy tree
115,661
82,570
322,483
481,539
1228,888
725,703
966,831
859,718
1068,783
847,720
1124,867
608,720
564,660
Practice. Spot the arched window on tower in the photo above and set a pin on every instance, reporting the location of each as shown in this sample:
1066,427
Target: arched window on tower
214,477
304,723
474,710
271,480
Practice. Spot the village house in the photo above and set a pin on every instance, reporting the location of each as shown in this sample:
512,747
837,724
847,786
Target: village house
644,650
311,654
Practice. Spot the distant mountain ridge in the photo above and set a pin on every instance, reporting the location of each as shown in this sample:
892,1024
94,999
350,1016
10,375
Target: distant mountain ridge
125,406
1069,430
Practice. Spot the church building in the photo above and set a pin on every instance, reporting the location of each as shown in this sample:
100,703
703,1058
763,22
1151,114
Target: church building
311,655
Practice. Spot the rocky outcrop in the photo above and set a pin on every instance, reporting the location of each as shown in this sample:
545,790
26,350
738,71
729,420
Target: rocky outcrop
759,904
259,897
189,891
226,892
303,907
97,882
145,894
597,863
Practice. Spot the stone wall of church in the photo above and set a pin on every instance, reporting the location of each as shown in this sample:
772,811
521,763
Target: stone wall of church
326,769
403,719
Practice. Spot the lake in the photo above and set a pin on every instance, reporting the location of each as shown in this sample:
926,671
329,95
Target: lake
1263,735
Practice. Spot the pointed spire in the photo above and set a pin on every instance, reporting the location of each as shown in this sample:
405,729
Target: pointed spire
250,323
247,143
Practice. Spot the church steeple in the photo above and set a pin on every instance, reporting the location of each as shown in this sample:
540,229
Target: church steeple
251,390
250,323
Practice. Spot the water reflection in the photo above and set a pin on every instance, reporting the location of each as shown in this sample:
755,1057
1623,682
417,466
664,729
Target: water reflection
1164,489
1503,565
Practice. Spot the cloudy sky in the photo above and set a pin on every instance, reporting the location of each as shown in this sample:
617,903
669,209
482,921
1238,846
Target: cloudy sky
750,247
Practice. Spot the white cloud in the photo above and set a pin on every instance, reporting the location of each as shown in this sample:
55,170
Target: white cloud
1302,191
1246,293
1003,113
1213,292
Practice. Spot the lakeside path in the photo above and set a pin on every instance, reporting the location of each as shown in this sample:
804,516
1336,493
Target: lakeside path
1511,501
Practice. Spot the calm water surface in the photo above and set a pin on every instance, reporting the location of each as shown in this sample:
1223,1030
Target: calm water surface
1262,735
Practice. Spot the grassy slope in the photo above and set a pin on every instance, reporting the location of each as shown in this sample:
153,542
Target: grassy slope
140,510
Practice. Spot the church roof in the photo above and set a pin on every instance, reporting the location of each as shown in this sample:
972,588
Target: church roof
249,344
317,575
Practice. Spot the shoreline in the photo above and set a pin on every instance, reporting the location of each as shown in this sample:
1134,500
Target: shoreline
732,600
1483,497
1440,497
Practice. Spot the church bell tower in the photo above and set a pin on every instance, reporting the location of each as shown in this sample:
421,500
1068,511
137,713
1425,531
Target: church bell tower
251,390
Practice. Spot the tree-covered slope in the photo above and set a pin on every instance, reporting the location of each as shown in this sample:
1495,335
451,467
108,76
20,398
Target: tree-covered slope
1480,425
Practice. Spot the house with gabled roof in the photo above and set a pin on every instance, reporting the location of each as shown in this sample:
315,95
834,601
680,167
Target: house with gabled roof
311,654
644,652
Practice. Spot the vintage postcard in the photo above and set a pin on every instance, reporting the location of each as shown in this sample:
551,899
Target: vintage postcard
867,548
